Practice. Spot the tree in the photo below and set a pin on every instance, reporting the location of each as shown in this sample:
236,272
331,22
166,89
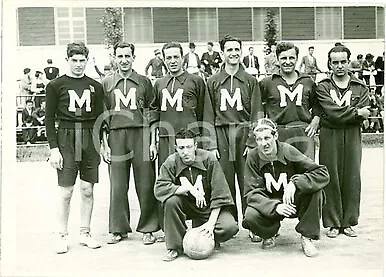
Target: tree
112,23
270,30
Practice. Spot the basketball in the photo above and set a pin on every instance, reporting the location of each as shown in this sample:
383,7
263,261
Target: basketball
197,246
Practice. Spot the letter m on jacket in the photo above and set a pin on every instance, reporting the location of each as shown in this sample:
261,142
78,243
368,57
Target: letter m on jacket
271,182
225,97
176,100
346,99
297,93
130,98
85,99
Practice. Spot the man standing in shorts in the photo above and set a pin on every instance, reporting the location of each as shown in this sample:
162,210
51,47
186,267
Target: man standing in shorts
127,99
75,101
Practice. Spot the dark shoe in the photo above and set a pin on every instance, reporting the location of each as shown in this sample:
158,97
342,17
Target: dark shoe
333,232
217,245
269,243
348,231
254,237
148,238
308,247
171,255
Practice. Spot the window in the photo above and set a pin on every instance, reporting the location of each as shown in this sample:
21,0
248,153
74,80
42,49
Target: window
328,23
36,26
203,24
95,30
236,22
380,23
359,22
170,24
70,25
297,23
138,26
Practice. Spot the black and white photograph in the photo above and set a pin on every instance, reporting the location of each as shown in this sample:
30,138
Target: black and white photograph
166,138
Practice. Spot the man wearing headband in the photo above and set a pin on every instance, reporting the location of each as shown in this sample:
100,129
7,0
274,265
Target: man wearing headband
281,182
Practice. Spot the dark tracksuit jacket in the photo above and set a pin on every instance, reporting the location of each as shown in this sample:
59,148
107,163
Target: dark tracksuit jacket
178,103
178,208
127,102
292,108
232,98
341,148
264,188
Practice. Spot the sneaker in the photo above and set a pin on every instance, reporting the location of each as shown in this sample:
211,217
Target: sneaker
333,232
160,238
148,238
269,243
348,231
114,238
171,255
87,240
61,244
308,247
254,237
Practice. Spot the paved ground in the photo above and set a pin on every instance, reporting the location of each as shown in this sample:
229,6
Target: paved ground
28,251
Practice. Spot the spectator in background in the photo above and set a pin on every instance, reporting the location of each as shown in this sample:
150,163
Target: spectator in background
368,68
310,64
26,82
38,88
356,67
51,71
107,69
251,63
39,116
156,64
211,60
271,63
191,60
29,134
380,77
202,73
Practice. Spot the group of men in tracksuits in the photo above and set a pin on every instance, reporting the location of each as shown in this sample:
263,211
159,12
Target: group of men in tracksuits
260,132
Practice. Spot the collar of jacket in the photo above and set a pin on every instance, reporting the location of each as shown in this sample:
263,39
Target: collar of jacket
280,156
180,78
180,165
353,79
240,74
116,77
300,75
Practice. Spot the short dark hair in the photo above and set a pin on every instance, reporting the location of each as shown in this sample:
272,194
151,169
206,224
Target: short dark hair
337,49
210,43
37,73
192,45
29,101
227,38
77,48
311,47
49,61
360,56
124,44
26,70
186,134
284,46
172,44
250,47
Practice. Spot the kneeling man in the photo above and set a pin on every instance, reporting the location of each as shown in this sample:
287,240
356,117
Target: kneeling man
192,185
281,182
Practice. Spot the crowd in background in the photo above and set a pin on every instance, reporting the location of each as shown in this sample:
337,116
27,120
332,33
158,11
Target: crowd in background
31,103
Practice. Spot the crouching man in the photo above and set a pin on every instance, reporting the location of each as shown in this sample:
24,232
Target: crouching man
281,182
192,185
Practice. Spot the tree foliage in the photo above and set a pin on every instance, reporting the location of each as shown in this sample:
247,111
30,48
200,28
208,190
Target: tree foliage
270,30
112,23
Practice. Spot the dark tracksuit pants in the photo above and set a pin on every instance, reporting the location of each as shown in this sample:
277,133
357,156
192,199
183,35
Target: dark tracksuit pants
231,143
165,149
341,152
309,211
133,143
178,209
297,137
